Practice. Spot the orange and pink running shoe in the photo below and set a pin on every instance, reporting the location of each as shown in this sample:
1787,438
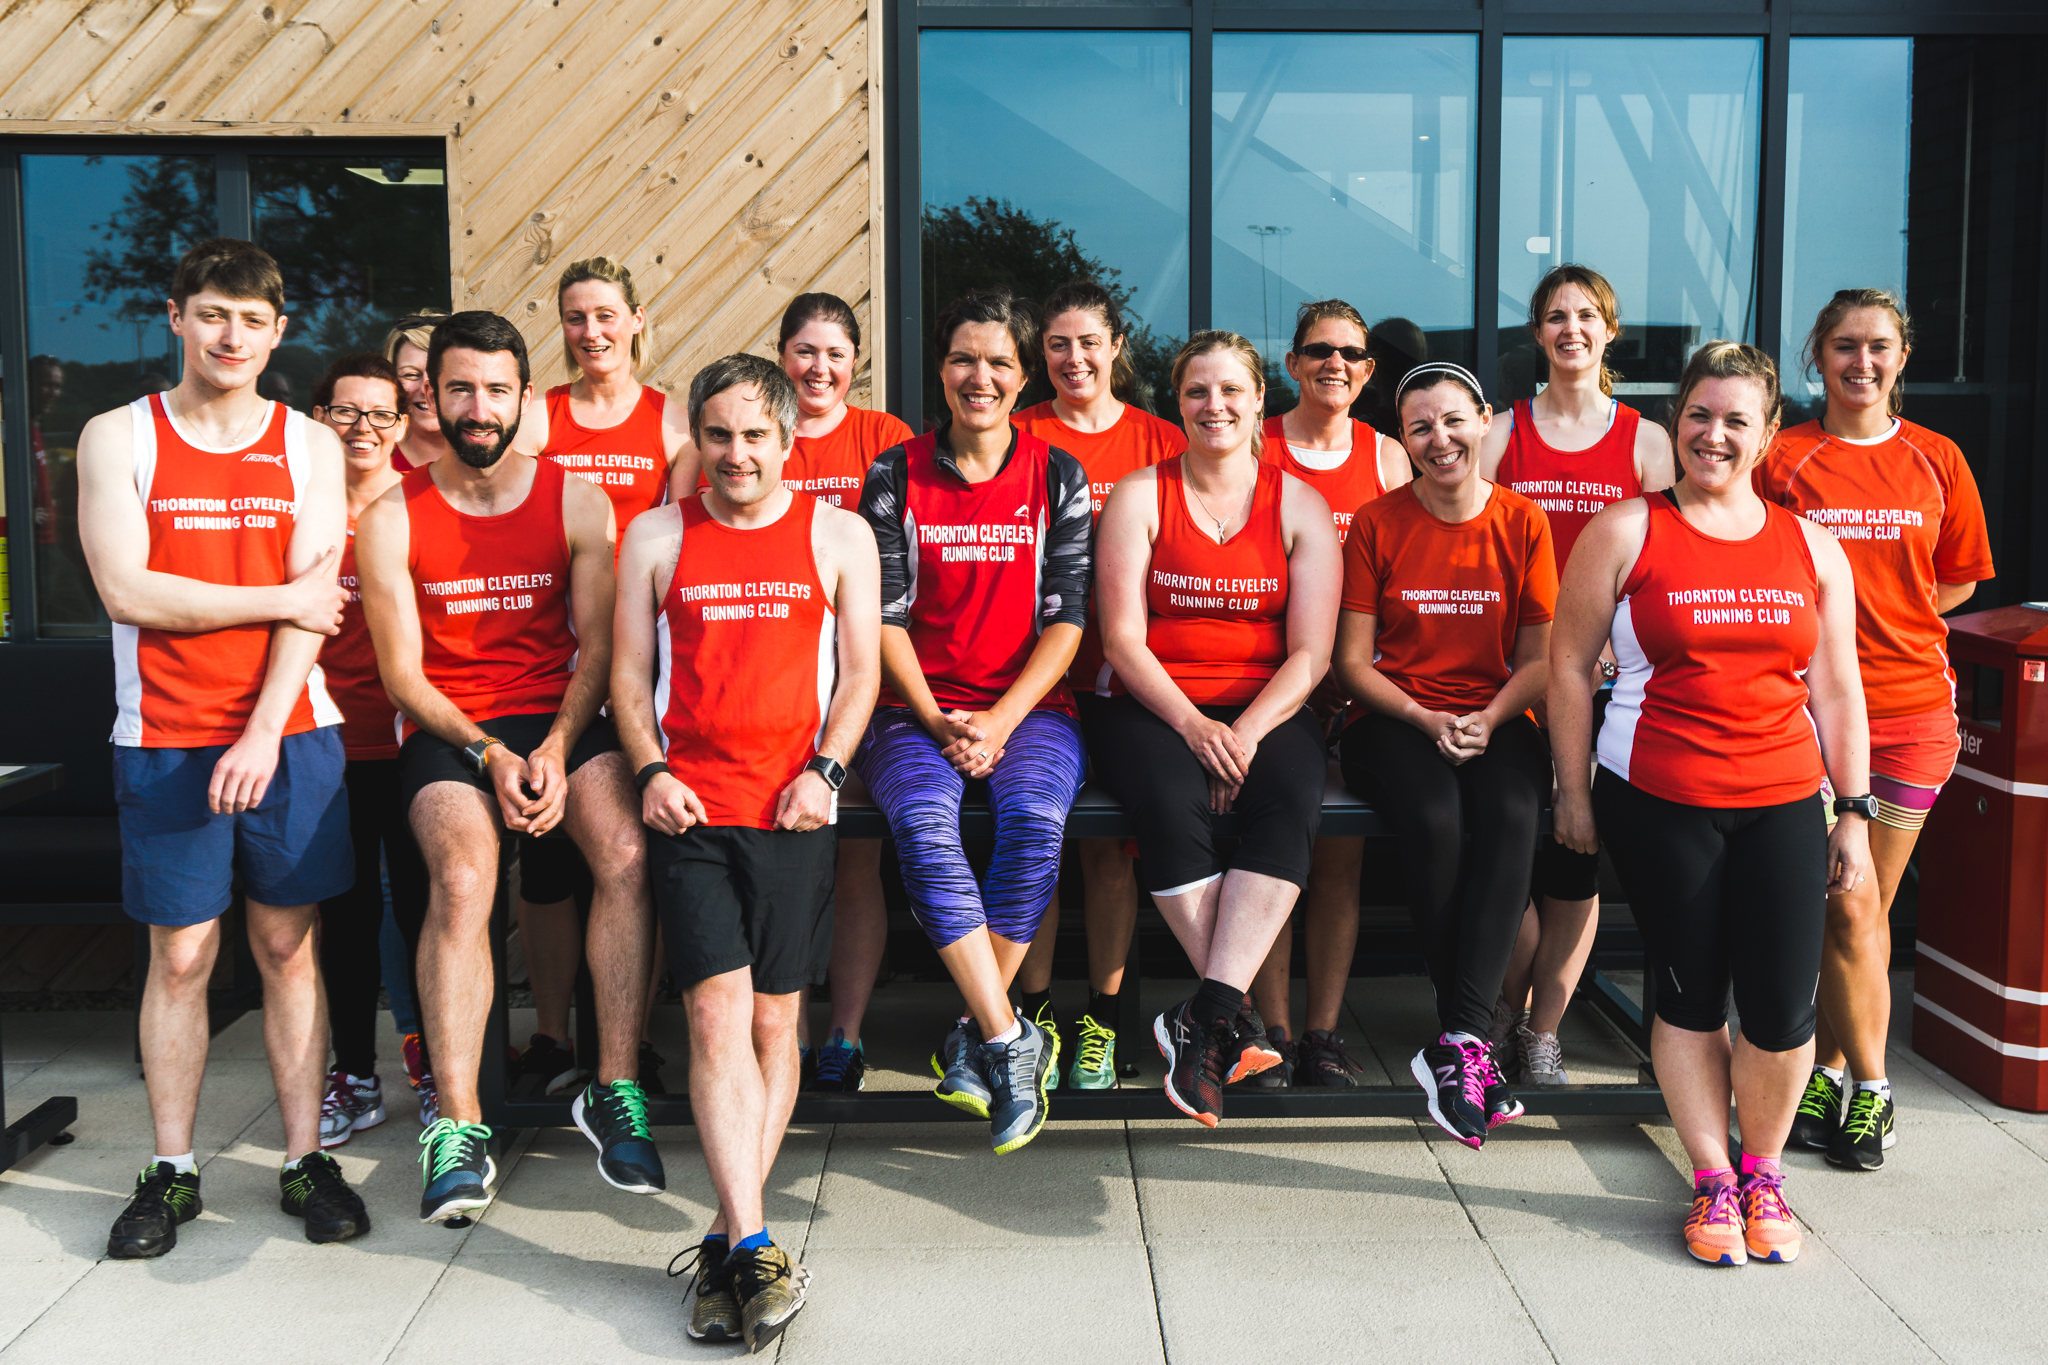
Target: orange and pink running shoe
1713,1231
1767,1225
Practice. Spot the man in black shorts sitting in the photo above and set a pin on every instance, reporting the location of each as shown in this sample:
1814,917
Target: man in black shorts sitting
487,582
749,638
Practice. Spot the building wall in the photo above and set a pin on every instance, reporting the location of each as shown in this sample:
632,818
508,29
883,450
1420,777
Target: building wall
726,150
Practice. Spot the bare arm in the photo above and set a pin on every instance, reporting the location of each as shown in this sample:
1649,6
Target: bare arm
533,427
646,564
852,576
1525,686
1656,466
593,589
684,462
1586,598
1493,447
115,533
1949,596
1834,684
1315,581
390,609
1394,467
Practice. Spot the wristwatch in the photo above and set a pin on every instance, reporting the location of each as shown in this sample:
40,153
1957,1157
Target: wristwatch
1865,806
829,768
474,754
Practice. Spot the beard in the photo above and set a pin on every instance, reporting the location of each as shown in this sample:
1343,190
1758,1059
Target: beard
478,444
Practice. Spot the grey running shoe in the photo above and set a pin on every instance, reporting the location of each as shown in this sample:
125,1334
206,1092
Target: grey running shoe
1321,1061
351,1104
1501,1039
1018,1072
957,1064
1542,1058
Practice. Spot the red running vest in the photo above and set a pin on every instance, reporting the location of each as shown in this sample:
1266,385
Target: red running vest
976,554
496,631
628,461
220,516
746,641
1713,637
1346,488
1216,615
1571,485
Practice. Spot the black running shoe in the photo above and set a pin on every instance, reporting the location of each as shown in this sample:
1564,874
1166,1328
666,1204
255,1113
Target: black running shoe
1455,1077
1321,1061
456,1169
549,1061
715,1314
957,1063
164,1197
651,1063
1819,1113
1273,1077
614,1118
1866,1132
769,1285
1501,1104
838,1068
317,1193
1249,1049
1194,1062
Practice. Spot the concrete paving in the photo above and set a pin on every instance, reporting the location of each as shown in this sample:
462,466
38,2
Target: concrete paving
1153,1240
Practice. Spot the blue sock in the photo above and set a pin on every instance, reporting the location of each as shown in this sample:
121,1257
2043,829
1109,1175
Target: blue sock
755,1242
717,1237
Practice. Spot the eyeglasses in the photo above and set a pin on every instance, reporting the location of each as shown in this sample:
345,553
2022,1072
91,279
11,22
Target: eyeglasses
1323,350
381,418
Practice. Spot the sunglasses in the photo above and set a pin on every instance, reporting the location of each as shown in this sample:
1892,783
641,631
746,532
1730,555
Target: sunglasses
1323,350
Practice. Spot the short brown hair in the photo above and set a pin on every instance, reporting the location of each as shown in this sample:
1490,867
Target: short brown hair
1847,301
361,365
1325,310
999,306
607,271
1729,360
1203,343
238,269
1604,298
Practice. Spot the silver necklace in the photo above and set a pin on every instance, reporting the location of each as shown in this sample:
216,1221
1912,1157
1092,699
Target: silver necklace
1204,503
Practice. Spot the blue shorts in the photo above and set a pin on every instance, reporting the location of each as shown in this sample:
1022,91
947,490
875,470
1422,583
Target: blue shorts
179,860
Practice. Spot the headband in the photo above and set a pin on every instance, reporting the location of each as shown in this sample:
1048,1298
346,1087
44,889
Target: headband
1440,369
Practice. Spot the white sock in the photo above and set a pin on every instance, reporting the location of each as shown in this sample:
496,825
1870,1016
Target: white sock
1010,1034
1880,1085
185,1164
293,1164
1457,1039
1834,1074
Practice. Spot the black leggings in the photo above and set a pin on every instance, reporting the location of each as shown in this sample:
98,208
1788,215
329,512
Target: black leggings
1164,789
1467,903
351,922
1723,897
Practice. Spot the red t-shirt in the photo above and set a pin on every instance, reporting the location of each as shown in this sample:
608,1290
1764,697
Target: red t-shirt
1571,485
1348,487
628,461
1449,595
1135,440
1906,511
832,466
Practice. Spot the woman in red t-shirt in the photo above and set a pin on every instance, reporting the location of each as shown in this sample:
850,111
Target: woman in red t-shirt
361,399
1218,600
1449,585
1734,625
1903,505
1087,416
819,346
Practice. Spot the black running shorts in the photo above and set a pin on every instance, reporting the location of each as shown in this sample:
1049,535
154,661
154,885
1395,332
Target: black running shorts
730,896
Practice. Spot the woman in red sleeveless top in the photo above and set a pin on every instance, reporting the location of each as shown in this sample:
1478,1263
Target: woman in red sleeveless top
360,397
405,346
1090,370
1734,623
1905,509
1322,444
1449,585
1219,600
1572,449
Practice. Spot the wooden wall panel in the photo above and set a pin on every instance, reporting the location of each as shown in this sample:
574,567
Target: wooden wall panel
724,149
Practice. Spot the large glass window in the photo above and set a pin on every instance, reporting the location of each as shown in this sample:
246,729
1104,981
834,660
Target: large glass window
1848,134
1052,155
1344,169
1638,157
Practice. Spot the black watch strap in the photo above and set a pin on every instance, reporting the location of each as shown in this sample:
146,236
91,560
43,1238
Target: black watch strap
829,768
648,774
1865,806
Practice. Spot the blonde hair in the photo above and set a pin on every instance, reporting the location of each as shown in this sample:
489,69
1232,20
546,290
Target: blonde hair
1847,301
414,329
1204,343
1602,293
607,271
1729,360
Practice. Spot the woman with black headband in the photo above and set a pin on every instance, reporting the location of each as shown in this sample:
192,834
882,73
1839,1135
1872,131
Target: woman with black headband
1449,586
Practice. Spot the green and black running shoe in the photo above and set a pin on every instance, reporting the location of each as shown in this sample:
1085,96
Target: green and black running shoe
164,1198
614,1118
456,1169
1044,1019
1866,1133
317,1193
1094,1066
1819,1113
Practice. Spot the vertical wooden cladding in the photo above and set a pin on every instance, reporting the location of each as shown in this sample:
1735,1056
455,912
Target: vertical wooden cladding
723,149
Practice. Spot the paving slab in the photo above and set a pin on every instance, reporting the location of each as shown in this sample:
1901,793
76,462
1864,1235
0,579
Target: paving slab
46,1035
1972,1298
113,1107
1951,1178
1570,1177
33,1283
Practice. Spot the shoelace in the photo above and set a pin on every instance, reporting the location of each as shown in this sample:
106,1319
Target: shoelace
1542,1052
447,1146
1822,1097
836,1058
1092,1050
1328,1047
754,1270
1763,1197
626,1101
317,1175
339,1094
154,1191
1724,1207
700,1269
1477,1072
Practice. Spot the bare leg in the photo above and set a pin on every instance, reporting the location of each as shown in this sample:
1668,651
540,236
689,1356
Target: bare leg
1109,885
1855,964
604,820
1568,928
982,965
1515,987
1272,988
287,953
774,1032
1332,928
174,1028
1699,1072
457,828
860,932
729,1097
1035,973
554,950
1252,909
1767,1088
1191,915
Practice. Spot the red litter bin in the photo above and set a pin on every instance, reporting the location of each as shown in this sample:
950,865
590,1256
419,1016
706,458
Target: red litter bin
1980,984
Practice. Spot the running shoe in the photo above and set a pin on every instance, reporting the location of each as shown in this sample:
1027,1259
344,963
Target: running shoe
1051,1026
1274,1077
317,1193
806,1068
1250,1049
1501,1104
456,1169
769,1285
1019,1074
1194,1054
415,1053
1767,1227
551,1062
1819,1113
1866,1132
351,1104
1500,1035
430,1102
1094,1064
650,1065
841,1067
614,1118
715,1314
1541,1056
1321,1061
957,1064
1713,1230
1455,1077
164,1197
